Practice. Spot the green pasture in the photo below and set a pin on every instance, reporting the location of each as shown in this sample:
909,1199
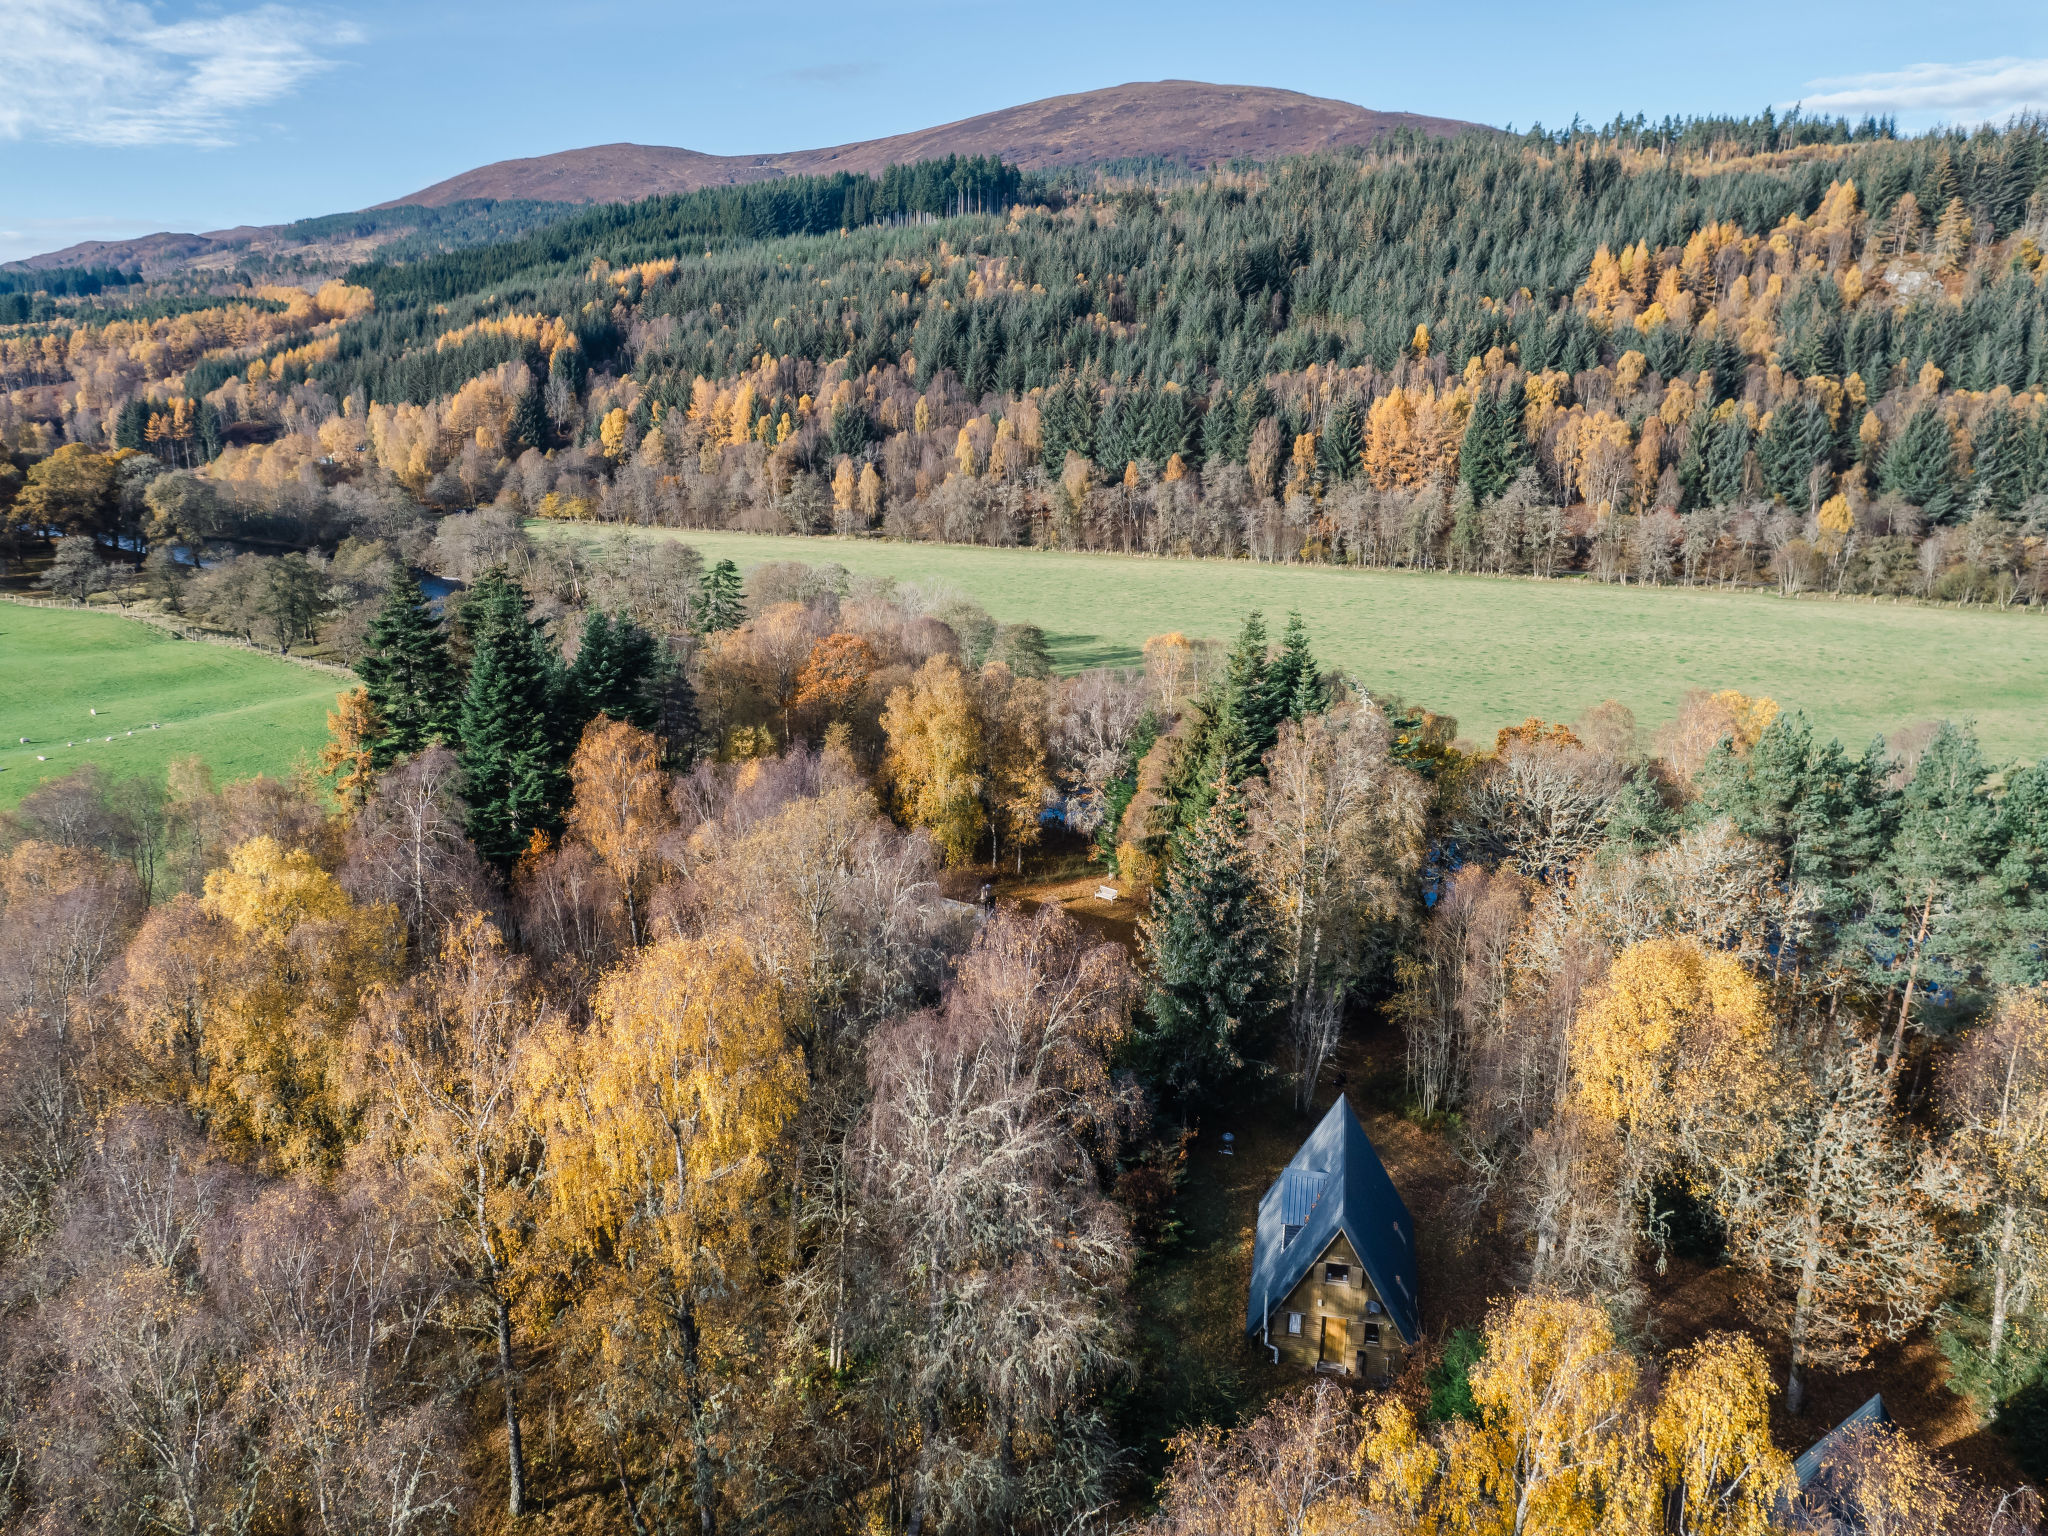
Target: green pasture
1493,651
242,712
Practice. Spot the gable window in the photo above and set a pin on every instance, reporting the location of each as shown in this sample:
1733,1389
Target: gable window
1372,1333
1293,1231
1294,1322
1336,1274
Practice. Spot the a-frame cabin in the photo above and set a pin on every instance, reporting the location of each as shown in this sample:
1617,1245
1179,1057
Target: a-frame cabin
1333,1263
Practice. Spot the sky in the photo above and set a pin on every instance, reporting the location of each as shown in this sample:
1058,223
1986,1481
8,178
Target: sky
122,117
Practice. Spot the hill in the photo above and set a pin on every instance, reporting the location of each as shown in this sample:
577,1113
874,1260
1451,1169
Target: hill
1184,120
1176,120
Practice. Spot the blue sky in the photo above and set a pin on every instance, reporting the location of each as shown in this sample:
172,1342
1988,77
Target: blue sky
120,117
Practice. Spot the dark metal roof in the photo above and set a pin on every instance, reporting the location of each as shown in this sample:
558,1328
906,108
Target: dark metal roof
1872,1412
1335,1183
1816,1507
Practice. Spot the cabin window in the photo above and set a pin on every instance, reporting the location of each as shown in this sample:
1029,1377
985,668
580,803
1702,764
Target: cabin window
1372,1333
1294,1322
1336,1274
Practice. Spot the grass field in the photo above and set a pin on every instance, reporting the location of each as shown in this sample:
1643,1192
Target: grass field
242,712
1492,651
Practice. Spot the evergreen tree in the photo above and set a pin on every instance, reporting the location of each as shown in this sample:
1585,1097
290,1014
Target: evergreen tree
511,751
616,673
1727,459
131,424
1341,448
721,605
409,675
1478,466
1294,684
530,418
1933,917
1920,464
1210,958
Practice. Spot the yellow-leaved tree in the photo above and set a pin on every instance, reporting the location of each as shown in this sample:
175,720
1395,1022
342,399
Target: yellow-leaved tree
243,998
1711,1439
933,757
1015,782
662,1121
1675,1039
352,726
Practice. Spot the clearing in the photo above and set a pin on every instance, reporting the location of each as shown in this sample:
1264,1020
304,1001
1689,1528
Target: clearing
240,711
1493,650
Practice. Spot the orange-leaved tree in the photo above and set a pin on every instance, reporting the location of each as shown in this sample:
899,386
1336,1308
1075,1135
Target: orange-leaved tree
621,808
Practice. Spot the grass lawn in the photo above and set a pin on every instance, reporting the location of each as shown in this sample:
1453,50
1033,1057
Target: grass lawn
242,712
1493,651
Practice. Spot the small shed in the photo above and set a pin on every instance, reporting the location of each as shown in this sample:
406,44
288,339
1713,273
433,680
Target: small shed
1333,1284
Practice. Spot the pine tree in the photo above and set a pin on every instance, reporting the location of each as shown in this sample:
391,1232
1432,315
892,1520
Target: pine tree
1210,957
409,676
721,604
511,751
617,668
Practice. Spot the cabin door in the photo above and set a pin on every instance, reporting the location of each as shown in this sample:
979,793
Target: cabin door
1336,1342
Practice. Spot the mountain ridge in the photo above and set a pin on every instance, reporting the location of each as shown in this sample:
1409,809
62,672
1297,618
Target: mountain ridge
1192,121
1186,120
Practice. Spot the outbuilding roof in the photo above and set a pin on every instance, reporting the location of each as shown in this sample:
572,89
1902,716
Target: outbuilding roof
1335,1183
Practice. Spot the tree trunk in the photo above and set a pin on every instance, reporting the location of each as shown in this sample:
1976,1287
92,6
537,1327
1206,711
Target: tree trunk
1891,1068
515,1453
693,1397
626,1488
1802,1307
2001,1275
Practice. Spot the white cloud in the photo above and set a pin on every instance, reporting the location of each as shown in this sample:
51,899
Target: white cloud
1987,90
109,72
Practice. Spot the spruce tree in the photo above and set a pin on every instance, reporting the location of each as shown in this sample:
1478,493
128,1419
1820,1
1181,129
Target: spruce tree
1294,684
530,418
510,753
408,674
1244,722
1920,464
616,668
721,604
1478,466
1210,956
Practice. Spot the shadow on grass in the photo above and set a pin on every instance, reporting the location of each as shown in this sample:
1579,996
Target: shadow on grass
1077,653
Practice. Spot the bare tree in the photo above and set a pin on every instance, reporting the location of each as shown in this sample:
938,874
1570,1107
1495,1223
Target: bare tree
1334,832
1828,1208
1541,805
1000,1259
407,846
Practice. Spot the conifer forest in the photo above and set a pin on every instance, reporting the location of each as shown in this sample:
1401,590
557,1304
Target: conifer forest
735,1049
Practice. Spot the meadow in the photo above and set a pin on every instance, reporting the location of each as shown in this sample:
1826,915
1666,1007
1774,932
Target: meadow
240,711
1493,651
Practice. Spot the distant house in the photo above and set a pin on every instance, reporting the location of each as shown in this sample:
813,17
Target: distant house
1333,1264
